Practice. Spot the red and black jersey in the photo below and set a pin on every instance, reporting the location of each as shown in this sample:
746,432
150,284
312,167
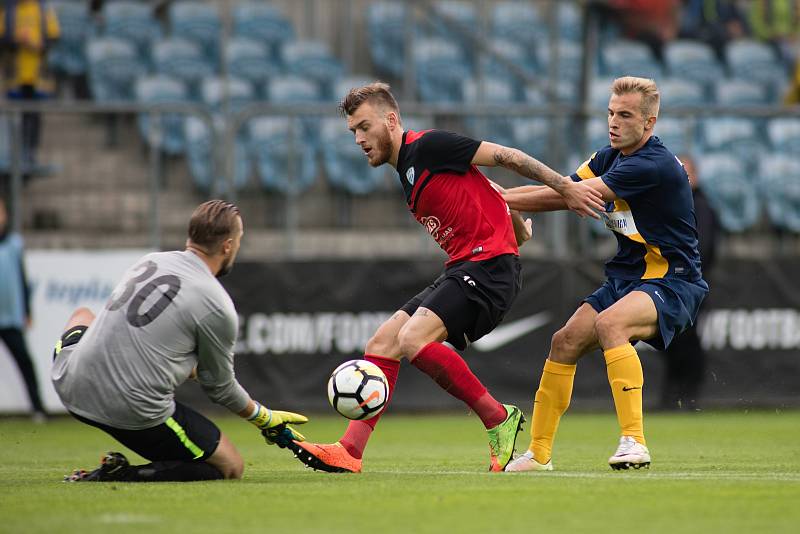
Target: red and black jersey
452,199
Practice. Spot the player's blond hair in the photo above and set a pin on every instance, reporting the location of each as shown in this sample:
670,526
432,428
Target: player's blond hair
378,93
651,98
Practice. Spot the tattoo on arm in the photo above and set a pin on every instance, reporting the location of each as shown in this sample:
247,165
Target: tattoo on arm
528,166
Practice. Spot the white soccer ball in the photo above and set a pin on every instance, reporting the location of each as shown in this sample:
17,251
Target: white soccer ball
358,389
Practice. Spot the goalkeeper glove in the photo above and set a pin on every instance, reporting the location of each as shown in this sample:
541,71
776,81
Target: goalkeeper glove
275,427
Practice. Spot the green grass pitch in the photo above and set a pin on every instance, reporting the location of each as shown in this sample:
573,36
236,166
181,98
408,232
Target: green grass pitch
712,472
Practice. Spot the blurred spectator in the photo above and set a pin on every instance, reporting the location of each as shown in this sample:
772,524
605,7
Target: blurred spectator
685,358
15,308
27,27
713,21
654,22
777,21
793,94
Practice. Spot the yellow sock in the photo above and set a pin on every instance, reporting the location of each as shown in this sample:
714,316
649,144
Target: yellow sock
552,400
627,380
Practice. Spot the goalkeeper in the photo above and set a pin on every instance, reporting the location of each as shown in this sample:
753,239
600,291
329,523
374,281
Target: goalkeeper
168,320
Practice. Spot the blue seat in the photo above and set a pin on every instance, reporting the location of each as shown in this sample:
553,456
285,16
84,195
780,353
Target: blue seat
214,90
779,178
250,60
312,60
629,58
68,53
600,93
198,22
183,60
784,134
676,134
344,162
496,129
693,60
569,19
201,158
343,85
597,133
739,136
731,194
161,89
531,135
676,92
569,60
114,65
740,93
386,29
264,23
133,21
441,68
753,60
514,53
518,22
281,155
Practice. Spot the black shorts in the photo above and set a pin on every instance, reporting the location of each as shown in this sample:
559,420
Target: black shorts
471,298
186,435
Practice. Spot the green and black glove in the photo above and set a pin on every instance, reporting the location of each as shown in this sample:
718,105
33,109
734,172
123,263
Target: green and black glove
275,427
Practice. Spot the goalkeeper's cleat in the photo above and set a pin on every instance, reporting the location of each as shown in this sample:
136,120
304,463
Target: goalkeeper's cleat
527,462
332,458
630,453
503,437
113,468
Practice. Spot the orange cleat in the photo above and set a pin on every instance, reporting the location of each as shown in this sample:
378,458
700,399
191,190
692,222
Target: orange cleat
332,458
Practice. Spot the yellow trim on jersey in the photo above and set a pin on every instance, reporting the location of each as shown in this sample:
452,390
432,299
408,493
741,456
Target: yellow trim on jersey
584,172
656,266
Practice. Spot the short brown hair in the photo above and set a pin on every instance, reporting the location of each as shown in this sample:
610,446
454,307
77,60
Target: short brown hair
212,223
645,87
377,92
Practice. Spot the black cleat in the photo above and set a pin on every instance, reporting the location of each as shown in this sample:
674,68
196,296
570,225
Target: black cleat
113,468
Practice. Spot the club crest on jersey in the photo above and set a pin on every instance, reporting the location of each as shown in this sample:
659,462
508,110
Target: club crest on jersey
410,175
432,225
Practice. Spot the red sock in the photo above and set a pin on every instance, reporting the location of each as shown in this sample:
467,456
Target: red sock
452,373
358,432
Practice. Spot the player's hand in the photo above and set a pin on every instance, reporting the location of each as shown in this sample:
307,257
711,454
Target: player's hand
523,228
583,199
274,425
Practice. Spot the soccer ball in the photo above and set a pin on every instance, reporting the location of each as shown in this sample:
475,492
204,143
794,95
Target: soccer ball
358,389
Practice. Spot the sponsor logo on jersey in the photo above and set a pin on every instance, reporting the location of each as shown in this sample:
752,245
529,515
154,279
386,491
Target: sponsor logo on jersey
432,225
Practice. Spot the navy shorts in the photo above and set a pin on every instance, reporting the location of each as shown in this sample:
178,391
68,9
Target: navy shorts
472,297
677,302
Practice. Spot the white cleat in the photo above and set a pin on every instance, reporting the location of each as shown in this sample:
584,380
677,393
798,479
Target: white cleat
527,463
630,453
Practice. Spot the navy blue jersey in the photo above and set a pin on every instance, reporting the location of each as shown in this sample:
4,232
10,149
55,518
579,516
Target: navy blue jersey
653,219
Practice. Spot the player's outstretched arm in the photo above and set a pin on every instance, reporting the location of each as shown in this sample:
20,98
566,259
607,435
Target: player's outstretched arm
274,424
579,198
537,199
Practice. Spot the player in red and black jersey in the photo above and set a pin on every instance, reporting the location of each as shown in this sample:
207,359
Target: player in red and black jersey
469,219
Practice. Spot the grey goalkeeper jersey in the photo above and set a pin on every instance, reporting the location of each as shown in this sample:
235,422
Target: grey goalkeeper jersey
167,315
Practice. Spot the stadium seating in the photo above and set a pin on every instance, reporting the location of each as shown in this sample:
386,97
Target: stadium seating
198,22
498,91
755,61
113,67
5,145
779,178
214,90
281,154
68,53
569,20
134,22
597,133
387,28
183,60
344,162
517,22
677,92
735,135
441,67
784,134
599,93
739,93
514,53
462,18
693,60
629,58
569,61
342,86
732,195
675,133
162,89
203,162
312,60
262,22
250,60
531,135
